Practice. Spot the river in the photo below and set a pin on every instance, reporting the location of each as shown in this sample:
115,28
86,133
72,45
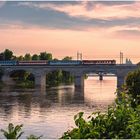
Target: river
50,113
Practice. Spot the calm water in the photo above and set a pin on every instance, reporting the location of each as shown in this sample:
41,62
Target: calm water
50,113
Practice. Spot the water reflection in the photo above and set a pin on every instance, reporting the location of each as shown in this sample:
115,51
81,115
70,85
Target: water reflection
51,112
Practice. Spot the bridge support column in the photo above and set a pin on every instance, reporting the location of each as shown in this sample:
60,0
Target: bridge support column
79,81
7,79
100,77
120,81
40,81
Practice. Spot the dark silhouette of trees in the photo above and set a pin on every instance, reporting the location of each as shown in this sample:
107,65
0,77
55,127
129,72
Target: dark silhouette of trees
20,58
35,57
6,55
27,56
132,84
45,56
67,58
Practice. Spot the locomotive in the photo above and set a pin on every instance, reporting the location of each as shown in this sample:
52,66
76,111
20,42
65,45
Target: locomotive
57,62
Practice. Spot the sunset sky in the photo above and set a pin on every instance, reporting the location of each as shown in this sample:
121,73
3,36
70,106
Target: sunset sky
94,28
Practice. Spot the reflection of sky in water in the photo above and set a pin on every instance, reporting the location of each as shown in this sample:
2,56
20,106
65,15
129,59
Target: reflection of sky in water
51,113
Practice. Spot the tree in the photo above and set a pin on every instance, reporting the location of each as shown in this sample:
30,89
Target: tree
67,58
45,56
55,59
27,56
20,58
35,57
1,56
132,84
7,54
138,64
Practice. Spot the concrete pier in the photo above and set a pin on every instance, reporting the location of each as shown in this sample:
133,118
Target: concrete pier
40,80
100,77
79,81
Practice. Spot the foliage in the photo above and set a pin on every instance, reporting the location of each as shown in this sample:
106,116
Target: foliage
20,58
45,56
6,55
31,137
27,56
57,77
35,57
21,75
121,121
24,84
54,78
132,85
67,58
16,132
138,64
13,132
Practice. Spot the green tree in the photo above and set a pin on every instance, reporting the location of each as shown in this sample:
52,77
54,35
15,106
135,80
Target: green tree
138,64
45,56
55,59
35,57
7,54
27,56
54,78
67,58
1,56
132,85
20,58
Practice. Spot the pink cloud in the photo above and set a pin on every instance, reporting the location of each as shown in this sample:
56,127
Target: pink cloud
99,10
2,3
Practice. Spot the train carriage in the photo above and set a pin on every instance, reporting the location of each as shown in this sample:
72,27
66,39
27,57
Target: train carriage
8,62
100,62
33,62
65,62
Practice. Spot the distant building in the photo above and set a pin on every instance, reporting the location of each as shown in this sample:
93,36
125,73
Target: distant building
128,61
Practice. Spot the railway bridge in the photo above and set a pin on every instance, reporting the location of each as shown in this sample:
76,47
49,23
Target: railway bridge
78,71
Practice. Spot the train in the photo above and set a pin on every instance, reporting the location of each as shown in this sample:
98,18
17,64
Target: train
57,62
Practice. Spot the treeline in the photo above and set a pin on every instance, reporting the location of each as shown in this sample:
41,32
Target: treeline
26,79
9,55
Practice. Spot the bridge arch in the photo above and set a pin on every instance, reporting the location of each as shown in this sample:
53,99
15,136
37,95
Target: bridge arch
12,76
58,76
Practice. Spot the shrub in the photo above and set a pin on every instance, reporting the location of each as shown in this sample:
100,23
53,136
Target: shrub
13,132
16,132
132,83
121,121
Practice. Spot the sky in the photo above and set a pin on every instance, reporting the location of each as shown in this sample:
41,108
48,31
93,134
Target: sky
97,29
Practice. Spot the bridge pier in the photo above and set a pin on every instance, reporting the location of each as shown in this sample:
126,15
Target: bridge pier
120,81
79,81
100,77
40,81
7,79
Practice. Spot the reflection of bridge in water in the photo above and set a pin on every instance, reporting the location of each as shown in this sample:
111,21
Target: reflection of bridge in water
78,71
